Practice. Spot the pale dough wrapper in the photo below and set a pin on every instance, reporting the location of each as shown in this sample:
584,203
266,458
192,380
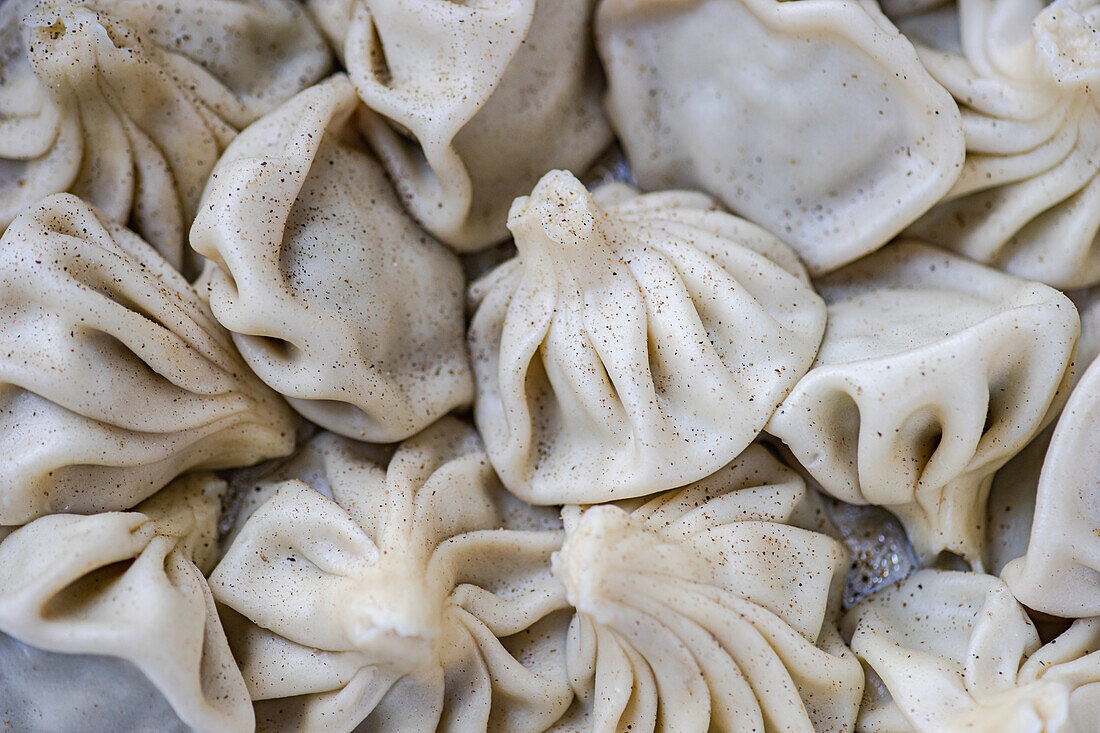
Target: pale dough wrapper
397,596
475,100
334,296
635,344
114,378
933,373
1060,574
128,103
950,652
813,119
127,585
1025,76
701,609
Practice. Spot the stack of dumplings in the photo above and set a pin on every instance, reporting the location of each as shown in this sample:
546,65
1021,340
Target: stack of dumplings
517,365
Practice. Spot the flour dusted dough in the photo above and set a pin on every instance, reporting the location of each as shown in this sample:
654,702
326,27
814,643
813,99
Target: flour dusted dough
934,372
1028,201
813,119
396,595
334,296
700,609
128,103
475,101
949,652
635,344
127,585
114,377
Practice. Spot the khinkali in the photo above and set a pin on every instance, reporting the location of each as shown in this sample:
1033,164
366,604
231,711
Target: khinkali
128,103
813,119
1060,574
635,344
1028,200
77,592
475,101
951,651
933,373
701,609
397,597
114,377
334,296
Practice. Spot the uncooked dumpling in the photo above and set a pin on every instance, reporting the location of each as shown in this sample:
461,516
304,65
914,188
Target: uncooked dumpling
635,344
114,377
1028,200
396,596
813,119
950,652
128,103
934,372
701,609
475,101
334,296
1060,574
77,591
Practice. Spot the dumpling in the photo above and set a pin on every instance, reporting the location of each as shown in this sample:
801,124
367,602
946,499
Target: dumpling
334,296
635,344
701,609
813,119
118,592
933,373
475,101
1028,200
1060,574
114,377
128,103
396,597
951,651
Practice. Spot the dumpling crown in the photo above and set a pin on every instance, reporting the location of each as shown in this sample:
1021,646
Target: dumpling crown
604,542
1066,38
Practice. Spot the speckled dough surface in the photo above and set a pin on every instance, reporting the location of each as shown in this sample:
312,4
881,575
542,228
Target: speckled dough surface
334,296
934,371
813,119
129,103
636,343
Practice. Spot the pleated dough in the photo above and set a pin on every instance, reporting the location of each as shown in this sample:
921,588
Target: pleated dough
114,377
635,344
475,101
933,373
950,652
1060,574
128,103
812,119
396,597
701,609
1028,200
334,296
127,585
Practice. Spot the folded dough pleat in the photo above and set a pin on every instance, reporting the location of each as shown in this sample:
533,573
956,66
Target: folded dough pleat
636,343
933,373
126,585
115,378
334,296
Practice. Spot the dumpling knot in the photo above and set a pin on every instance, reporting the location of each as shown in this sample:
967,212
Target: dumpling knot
1067,41
559,209
609,558
393,617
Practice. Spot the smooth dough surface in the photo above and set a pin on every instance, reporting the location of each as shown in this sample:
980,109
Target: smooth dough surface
813,119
